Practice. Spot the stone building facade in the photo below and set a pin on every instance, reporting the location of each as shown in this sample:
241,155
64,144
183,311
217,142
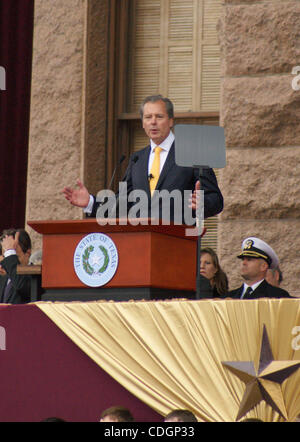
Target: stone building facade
260,113
259,110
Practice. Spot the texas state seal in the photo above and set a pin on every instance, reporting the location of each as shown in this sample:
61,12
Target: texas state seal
95,259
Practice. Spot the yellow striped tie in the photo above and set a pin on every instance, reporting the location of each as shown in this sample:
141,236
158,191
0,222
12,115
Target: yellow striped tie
155,169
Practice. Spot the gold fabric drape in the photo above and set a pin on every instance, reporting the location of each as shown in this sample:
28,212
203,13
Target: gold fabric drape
169,353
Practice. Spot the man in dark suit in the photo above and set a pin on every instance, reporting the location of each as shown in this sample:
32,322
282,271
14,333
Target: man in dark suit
154,169
16,249
256,258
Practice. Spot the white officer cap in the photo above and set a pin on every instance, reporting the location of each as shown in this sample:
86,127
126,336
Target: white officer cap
257,248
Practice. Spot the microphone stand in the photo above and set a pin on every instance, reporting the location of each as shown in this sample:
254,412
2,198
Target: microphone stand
198,221
122,158
115,170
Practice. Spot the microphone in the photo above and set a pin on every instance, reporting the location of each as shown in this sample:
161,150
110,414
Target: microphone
135,158
122,158
150,176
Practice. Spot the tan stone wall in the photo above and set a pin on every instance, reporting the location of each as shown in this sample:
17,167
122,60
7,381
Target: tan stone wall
95,111
260,113
68,105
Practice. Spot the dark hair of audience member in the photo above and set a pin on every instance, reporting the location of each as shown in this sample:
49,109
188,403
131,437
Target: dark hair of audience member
117,414
53,419
24,238
180,415
251,419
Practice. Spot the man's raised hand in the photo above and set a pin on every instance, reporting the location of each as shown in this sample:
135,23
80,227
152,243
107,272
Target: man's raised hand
78,196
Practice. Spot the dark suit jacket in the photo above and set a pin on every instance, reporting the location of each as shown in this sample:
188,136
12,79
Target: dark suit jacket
20,291
172,177
264,290
206,290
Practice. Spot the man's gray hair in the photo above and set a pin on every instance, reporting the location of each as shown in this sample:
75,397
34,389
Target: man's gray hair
154,99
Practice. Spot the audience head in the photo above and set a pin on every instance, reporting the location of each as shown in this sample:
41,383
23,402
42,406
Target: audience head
251,419
274,277
116,414
256,258
53,419
23,248
180,415
210,268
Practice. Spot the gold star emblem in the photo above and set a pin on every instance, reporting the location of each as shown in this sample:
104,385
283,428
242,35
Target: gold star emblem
264,383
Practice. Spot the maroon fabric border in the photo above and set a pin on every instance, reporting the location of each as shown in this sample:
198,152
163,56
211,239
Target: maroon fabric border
16,36
43,373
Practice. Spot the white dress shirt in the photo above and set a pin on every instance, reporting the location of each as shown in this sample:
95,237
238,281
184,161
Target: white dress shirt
253,286
166,146
9,252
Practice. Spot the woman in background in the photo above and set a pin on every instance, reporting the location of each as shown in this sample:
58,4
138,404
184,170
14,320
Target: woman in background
213,279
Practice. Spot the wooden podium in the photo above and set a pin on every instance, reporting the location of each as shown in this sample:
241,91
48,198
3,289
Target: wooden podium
154,261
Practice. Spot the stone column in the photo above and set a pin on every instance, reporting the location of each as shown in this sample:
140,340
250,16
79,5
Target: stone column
260,112
68,105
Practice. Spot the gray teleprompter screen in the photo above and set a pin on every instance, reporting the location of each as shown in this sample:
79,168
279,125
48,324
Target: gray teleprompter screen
200,146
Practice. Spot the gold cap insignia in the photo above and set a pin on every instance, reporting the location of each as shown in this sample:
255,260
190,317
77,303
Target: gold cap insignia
248,244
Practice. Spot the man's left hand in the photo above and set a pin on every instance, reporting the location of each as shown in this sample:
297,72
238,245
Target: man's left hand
193,198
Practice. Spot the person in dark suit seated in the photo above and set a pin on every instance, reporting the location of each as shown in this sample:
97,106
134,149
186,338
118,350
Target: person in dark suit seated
213,279
256,258
16,249
154,169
